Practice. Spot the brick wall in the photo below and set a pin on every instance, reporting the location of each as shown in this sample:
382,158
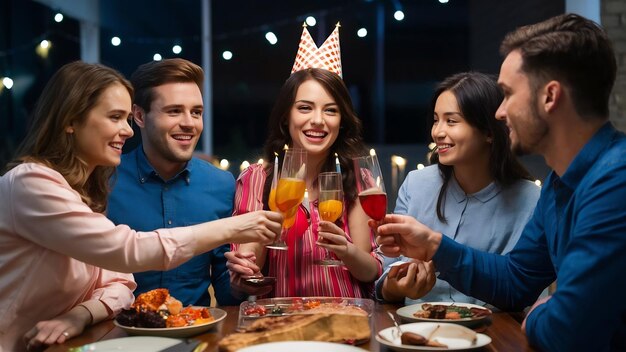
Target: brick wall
613,18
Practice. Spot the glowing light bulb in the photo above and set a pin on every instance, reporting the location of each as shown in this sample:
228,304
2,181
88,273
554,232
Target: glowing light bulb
271,38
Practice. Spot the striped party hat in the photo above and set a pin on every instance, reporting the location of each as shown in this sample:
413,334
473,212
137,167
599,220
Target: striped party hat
328,56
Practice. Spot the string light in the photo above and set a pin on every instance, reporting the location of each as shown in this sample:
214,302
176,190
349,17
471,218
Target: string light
261,161
157,57
271,38
227,55
43,48
58,18
420,166
116,41
443,1
362,32
7,82
244,165
538,183
176,49
310,21
398,15
224,164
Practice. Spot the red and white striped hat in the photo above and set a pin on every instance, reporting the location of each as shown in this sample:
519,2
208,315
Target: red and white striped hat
328,56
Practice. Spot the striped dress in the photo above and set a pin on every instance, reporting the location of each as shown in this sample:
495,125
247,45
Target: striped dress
295,270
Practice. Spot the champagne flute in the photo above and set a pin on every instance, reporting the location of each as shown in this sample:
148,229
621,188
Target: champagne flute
290,191
330,205
370,186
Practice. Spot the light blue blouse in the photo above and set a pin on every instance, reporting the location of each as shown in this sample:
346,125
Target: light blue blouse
491,219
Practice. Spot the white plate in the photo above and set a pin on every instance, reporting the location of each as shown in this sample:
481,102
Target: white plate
134,344
300,346
406,313
184,331
453,337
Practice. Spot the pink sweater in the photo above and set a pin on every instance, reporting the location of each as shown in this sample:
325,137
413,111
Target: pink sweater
56,253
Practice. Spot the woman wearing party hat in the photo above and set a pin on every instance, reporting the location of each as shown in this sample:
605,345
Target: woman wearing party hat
313,112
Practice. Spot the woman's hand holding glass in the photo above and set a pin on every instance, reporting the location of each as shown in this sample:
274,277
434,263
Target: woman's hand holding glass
330,206
245,275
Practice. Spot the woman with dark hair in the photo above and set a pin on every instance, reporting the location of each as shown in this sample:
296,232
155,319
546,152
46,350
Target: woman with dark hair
477,193
60,257
314,112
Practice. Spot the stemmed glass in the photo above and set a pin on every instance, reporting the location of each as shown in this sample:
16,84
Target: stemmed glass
289,191
370,186
330,205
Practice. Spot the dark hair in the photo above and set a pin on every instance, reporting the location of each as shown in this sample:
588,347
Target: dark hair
157,73
69,96
478,97
572,50
349,142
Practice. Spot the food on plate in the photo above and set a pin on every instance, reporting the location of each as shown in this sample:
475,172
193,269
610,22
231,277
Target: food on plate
451,312
157,309
413,339
305,306
437,332
304,327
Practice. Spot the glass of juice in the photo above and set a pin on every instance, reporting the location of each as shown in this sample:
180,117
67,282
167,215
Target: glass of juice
289,191
330,206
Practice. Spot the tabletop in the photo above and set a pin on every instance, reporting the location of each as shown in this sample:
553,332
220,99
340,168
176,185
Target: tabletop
503,328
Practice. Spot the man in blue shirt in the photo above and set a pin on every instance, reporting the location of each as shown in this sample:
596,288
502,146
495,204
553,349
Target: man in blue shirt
557,76
160,184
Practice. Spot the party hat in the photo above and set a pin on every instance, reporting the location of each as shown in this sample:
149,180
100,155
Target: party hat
328,56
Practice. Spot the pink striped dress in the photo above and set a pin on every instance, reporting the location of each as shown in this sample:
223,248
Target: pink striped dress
295,269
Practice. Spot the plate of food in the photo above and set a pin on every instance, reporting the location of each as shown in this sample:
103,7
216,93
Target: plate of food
322,319
156,313
431,337
250,311
444,312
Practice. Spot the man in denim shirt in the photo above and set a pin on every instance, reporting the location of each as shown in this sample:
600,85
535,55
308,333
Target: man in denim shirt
557,77
160,184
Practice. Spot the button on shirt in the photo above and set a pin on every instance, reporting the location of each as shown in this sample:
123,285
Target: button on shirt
199,193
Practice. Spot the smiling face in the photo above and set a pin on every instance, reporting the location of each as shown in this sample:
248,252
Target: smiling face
99,140
519,108
314,120
172,127
458,142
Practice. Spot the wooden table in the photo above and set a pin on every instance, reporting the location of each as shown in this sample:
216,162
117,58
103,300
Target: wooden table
504,330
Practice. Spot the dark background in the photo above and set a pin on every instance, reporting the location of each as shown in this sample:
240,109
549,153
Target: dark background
433,41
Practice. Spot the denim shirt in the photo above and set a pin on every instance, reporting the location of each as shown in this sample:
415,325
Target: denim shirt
578,234
491,220
199,193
